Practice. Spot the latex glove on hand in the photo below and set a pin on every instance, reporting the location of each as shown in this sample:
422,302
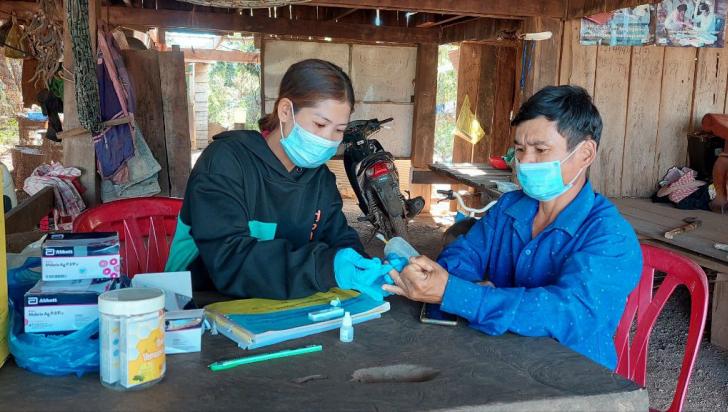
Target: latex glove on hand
396,261
354,271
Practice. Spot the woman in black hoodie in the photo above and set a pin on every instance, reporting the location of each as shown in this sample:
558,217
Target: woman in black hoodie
262,215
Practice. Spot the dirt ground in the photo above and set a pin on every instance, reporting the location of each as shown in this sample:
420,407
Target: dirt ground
708,389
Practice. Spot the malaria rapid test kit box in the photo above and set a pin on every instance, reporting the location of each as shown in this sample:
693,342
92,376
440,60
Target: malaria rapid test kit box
63,306
78,256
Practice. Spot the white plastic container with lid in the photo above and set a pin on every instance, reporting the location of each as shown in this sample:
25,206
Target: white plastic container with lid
131,335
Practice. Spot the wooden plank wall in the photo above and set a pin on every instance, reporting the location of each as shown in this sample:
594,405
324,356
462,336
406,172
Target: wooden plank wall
161,113
649,98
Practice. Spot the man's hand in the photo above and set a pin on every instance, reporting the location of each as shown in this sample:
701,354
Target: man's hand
422,280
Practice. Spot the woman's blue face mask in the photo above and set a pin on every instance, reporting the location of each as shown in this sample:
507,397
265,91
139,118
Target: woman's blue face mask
542,181
306,149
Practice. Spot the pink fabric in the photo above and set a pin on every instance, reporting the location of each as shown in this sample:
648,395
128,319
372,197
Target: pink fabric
68,201
684,187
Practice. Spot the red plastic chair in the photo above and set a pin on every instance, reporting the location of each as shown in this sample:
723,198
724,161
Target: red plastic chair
145,227
632,359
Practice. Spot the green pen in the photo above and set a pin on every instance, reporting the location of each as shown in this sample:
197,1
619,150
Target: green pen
229,364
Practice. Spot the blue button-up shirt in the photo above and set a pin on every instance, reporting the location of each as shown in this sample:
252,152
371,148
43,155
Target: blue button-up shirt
570,282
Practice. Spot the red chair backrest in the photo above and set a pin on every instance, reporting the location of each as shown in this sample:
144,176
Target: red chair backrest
145,227
679,270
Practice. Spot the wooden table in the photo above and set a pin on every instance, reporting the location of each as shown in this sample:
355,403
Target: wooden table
477,371
651,221
480,176
477,175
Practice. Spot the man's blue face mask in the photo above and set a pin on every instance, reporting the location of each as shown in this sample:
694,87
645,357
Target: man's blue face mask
542,181
306,149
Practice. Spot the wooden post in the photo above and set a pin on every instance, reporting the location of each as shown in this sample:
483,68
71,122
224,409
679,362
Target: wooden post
79,151
476,80
423,129
545,55
719,322
176,129
162,39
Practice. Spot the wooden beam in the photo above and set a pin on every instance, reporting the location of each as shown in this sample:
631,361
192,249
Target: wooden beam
25,216
344,14
479,30
144,19
582,8
507,8
170,19
440,22
211,56
423,129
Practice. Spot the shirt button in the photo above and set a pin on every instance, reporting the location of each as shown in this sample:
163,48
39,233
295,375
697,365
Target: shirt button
528,252
299,170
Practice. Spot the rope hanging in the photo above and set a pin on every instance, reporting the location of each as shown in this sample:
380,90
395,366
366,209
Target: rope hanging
87,87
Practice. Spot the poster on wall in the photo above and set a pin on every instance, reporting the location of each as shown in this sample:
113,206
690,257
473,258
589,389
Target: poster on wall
623,27
691,23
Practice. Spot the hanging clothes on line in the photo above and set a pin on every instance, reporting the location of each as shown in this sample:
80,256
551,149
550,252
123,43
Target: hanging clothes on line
114,145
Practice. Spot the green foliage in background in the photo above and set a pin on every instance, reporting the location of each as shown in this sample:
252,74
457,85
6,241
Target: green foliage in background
234,85
8,131
447,90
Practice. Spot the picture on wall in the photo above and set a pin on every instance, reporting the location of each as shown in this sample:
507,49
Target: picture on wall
691,23
623,27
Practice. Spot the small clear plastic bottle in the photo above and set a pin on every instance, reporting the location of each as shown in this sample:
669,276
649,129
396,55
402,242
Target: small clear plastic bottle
346,333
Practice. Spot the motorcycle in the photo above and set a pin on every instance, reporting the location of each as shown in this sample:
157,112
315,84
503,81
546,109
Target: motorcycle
373,176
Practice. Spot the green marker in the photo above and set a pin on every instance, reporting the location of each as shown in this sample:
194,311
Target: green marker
229,364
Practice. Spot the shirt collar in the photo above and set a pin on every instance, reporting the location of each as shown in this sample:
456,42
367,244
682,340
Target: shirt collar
569,220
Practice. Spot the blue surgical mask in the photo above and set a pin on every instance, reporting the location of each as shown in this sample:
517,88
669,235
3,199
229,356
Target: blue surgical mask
306,149
542,181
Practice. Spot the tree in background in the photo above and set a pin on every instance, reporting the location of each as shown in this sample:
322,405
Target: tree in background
235,86
11,98
447,91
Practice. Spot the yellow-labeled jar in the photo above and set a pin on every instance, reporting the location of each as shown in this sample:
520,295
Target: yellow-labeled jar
131,335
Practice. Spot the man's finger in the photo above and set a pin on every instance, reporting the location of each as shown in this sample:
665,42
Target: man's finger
395,277
394,289
424,262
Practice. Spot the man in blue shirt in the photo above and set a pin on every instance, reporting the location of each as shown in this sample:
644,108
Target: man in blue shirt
555,259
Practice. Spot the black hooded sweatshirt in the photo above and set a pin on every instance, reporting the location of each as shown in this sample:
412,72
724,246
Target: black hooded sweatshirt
238,184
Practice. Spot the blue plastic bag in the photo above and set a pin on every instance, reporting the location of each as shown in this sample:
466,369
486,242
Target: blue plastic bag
55,355
22,278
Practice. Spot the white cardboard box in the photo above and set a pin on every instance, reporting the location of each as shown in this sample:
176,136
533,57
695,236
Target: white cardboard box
63,306
73,256
183,328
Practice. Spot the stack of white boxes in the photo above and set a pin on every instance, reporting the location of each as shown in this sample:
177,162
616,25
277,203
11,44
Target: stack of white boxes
76,268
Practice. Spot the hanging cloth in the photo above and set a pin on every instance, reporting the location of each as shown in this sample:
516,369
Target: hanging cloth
86,84
114,145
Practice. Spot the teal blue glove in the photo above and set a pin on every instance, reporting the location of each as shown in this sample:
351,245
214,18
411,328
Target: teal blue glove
354,271
397,262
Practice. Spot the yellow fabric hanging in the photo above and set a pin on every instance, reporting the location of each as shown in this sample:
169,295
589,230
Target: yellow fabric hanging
467,125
